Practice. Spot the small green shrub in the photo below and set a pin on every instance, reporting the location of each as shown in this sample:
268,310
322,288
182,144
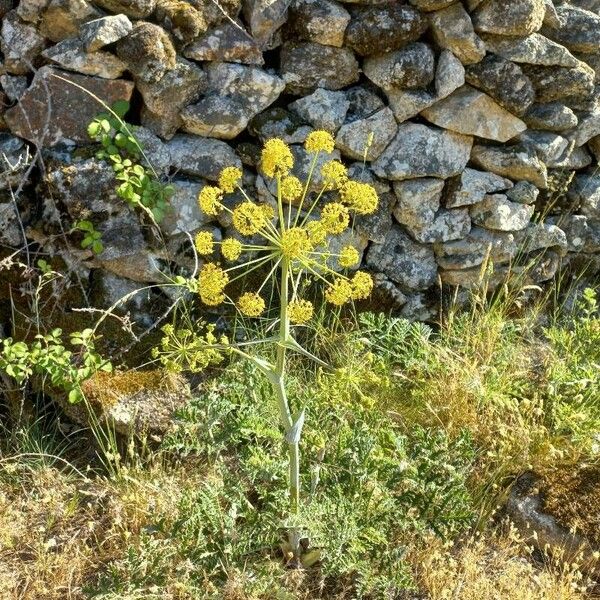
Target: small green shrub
92,239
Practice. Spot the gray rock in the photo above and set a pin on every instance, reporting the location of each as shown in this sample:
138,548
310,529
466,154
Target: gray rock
165,98
594,146
561,83
202,157
411,67
534,49
279,123
335,243
573,158
185,215
14,86
62,18
471,187
584,192
323,109
138,9
302,165
523,192
515,162
185,21
475,248
380,29
376,226
418,202
518,17
547,145
31,11
228,42
422,151
496,211
553,116
579,29
504,81
430,5
583,234
589,127
592,60
21,45
449,75
70,54
52,110
156,153
363,103
367,138
321,21
147,51
419,307
476,278
308,66
471,112
386,293
10,228
404,261
104,31
540,236
264,18
222,117
452,29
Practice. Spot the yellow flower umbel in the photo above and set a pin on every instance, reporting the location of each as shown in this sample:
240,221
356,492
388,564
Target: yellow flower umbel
349,257
211,284
295,243
251,304
319,141
276,158
231,249
339,292
334,174
229,179
300,311
209,200
249,218
360,197
291,188
204,243
335,217
362,285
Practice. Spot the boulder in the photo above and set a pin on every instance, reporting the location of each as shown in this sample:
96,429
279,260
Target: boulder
367,138
70,54
540,236
381,29
228,42
30,10
215,116
552,116
497,212
572,159
53,110
418,202
504,81
579,29
523,192
264,18
561,83
583,234
412,67
471,112
517,17
471,187
547,145
21,45
452,29
403,261
321,21
589,127
363,103
104,31
308,66
514,162
147,51
449,75
62,18
14,86
584,192
280,123
137,9
323,109
430,5
422,151
183,20
184,215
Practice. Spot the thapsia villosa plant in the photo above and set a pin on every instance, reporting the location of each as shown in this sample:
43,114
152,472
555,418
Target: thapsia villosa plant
294,242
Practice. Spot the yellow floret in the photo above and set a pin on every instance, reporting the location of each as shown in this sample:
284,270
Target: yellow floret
229,179
248,218
349,257
319,141
276,158
334,174
362,285
339,292
335,217
209,200
291,188
231,248
300,311
204,242
251,304
211,283
360,197
316,233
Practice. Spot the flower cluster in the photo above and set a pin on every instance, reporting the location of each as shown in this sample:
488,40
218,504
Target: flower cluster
293,229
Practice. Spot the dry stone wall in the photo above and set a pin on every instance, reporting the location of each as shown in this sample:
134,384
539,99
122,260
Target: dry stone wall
473,119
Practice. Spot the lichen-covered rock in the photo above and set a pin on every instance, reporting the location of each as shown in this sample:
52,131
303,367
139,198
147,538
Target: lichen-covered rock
202,157
471,187
561,83
70,54
62,18
583,234
496,211
184,21
349,237
184,215
471,112
514,162
323,109
280,123
21,45
30,10
104,31
572,159
422,151
539,236
404,261
165,98
449,74
264,18
14,86
412,67
553,116
138,9
147,51
367,138
504,81
418,201
452,29
228,42
363,102
584,192
216,116
380,29
589,127
430,5
523,192
308,66
517,17
53,110
579,29
534,49
321,21
547,145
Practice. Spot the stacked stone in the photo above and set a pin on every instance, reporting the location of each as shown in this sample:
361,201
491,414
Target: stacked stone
471,118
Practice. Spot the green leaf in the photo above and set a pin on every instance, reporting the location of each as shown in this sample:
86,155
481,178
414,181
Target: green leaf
121,107
93,129
75,396
97,247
